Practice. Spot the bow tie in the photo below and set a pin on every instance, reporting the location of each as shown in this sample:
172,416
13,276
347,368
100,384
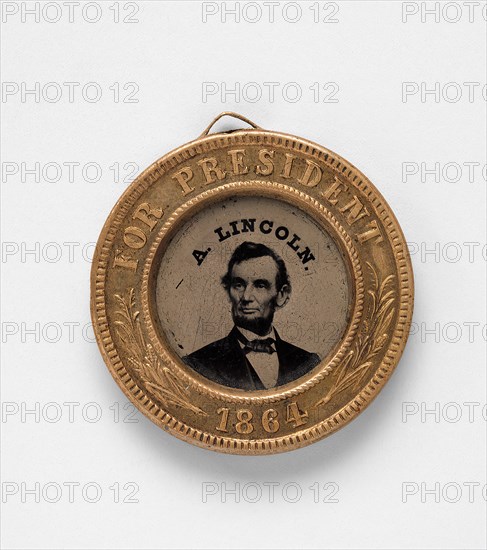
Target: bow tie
260,346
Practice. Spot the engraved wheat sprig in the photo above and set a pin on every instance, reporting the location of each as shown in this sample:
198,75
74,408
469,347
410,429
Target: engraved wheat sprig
355,365
145,361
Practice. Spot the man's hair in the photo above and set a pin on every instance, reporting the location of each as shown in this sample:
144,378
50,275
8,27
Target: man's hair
247,251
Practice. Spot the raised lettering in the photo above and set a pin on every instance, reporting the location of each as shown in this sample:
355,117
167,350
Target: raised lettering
312,175
211,170
355,209
265,157
183,177
237,156
371,233
143,212
333,191
288,164
134,237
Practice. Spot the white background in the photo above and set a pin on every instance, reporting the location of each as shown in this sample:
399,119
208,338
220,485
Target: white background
170,53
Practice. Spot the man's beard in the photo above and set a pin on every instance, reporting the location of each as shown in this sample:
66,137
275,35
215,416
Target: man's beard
258,325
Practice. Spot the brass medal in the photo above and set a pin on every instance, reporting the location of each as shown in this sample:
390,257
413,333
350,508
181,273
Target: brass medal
251,291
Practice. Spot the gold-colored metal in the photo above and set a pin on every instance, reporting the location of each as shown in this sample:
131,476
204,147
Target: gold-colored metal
206,131
163,320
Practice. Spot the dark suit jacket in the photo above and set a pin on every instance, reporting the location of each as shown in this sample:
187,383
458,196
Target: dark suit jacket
225,362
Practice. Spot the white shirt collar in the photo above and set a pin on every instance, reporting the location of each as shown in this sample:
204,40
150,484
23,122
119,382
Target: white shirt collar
252,336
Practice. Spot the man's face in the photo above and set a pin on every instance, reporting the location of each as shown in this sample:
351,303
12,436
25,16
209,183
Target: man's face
254,294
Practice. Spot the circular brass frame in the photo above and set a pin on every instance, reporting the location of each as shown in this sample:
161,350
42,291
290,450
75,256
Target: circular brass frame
172,418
